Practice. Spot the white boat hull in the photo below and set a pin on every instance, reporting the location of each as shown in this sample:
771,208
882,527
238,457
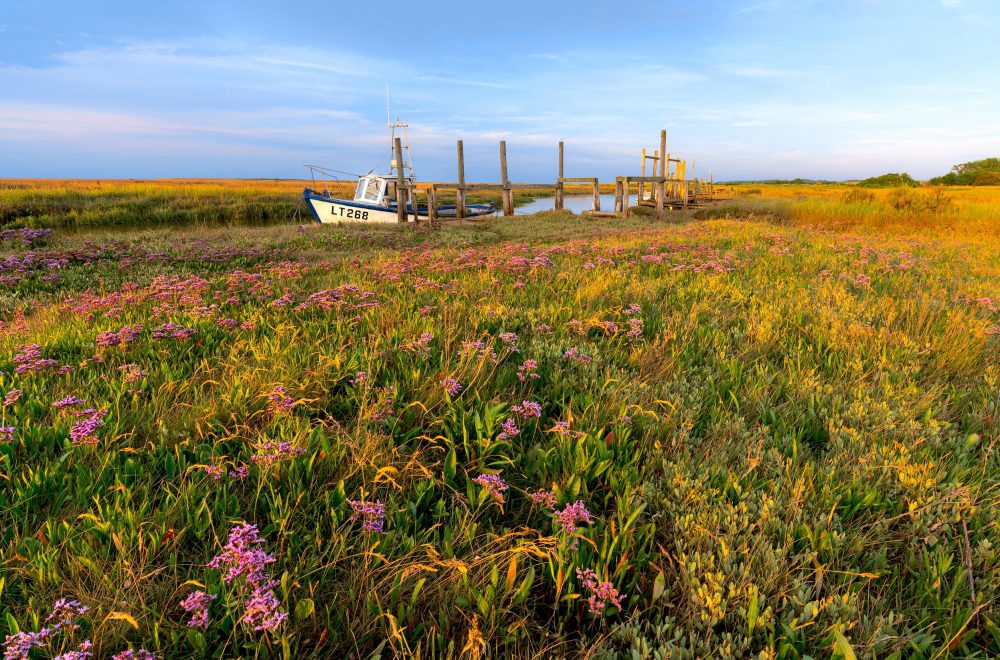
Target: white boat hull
329,213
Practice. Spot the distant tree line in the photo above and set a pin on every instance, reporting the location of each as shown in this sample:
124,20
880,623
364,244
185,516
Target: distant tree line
984,172
892,180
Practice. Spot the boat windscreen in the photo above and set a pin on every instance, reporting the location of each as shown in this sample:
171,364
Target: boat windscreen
373,191
359,194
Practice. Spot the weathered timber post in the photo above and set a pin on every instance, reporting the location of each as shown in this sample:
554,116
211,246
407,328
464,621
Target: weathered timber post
659,194
432,213
559,183
400,183
413,202
597,195
618,196
506,195
460,193
642,185
625,196
663,152
711,186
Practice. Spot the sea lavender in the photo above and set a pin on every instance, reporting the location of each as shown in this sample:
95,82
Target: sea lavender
272,452
141,654
7,434
279,401
602,593
67,402
244,557
89,421
371,513
528,409
508,429
577,356
527,370
11,397
82,652
451,386
544,497
493,484
196,604
572,515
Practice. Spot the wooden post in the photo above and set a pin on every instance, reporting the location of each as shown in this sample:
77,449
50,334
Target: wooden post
663,152
597,195
642,185
460,193
711,186
400,183
559,183
432,213
625,196
413,203
660,193
618,196
506,196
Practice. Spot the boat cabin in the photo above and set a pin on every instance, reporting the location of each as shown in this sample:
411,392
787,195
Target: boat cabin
377,190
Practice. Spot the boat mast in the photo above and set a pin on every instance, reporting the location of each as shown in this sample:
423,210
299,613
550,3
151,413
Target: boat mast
393,125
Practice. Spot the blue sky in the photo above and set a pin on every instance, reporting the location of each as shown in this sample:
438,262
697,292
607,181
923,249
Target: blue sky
747,89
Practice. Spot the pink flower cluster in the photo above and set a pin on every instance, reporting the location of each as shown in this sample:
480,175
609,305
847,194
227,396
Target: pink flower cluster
527,370
172,331
63,617
602,593
372,515
11,397
122,337
508,429
196,604
278,400
528,409
88,423
493,484
243,557
572,515
30,359
272,452
451,386
577,356
544,497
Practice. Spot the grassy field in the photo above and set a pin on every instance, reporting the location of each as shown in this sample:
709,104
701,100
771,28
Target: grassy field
764,428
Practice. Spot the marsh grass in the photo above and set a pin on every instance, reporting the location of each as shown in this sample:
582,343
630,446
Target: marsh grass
795,457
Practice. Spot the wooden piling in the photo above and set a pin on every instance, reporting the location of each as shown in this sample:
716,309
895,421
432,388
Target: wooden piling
663,152
559,183
400,182
506,195
460,193
597,196
432,214
618,196
625,196
642,186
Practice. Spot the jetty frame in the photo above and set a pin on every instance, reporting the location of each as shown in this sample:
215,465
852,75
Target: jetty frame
667,189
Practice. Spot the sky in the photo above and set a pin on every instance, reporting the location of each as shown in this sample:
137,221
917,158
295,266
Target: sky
746,89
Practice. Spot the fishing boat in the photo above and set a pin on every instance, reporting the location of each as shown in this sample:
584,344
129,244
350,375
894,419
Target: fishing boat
375,195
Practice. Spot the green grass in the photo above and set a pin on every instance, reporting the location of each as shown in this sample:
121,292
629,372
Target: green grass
795,458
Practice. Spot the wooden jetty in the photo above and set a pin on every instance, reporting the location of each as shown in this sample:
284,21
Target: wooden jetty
667,184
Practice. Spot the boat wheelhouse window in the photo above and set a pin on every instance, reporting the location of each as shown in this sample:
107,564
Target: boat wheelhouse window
359,194
373,191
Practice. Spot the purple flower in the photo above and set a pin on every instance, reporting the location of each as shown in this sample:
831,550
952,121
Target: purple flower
7,434
509,429
528,409
279,401
451,386
239,473
89,421
577,356
360,378
214,471
527,370
11,397
493,484
244,557
65,612
572,515
602,593
82,652
272,452
19,645
196,604
68,401
131,372
372,513
172,331
544,497
141,654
